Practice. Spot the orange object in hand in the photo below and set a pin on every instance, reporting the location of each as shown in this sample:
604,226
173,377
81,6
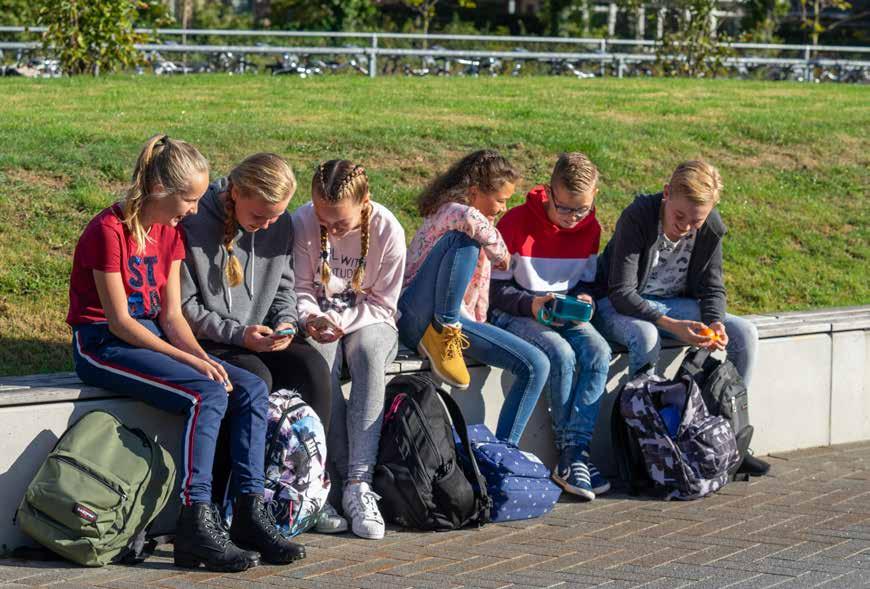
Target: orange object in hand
707,332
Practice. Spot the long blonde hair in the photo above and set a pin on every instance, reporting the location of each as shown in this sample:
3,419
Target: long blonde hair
697,181
266,176
165,167
334,181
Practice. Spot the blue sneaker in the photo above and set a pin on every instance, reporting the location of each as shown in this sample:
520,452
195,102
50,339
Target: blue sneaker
599,484
572,473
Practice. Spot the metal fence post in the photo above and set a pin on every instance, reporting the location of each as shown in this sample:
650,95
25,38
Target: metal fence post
603,57
808,70
373,59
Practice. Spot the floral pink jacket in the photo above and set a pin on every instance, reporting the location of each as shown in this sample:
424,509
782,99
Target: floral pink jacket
454,216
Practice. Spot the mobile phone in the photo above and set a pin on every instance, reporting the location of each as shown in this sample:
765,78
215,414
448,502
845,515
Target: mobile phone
284,332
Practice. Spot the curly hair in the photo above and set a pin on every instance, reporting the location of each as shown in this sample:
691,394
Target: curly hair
486,169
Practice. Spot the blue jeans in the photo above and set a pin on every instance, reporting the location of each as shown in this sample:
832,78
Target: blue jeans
436,292
575,348
643,339
103,360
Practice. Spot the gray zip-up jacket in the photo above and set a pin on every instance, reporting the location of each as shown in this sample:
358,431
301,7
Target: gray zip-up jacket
266,295
624,267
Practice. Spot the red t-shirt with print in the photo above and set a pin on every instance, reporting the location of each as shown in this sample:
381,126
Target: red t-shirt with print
108,246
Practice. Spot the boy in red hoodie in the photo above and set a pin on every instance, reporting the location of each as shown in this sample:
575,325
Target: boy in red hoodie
553,240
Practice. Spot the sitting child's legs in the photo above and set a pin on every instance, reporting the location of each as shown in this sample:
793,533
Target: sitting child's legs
437,289
641,338
430,306
742,345
579,362
356,422
530,366
592,354
368,353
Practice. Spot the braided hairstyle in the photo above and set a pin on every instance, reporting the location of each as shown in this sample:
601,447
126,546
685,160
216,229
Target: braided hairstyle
485,169
164,167
267,176
334,181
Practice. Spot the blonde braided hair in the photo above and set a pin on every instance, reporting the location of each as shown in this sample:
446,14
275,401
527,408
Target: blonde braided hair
334,181
231,226
266,176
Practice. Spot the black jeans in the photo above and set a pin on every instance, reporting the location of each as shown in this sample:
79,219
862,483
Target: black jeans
298,367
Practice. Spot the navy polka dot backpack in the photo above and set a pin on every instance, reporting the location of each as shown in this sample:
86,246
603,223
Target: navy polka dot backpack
518,482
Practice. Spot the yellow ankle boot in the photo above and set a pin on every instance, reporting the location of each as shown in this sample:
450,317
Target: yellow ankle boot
444,351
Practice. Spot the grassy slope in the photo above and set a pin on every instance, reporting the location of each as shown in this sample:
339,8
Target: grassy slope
794,159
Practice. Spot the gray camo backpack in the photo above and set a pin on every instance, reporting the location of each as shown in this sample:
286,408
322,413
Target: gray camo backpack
691,460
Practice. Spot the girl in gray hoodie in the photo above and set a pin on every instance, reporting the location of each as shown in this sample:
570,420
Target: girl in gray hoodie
237,281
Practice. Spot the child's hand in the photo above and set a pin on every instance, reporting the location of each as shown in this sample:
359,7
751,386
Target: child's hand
258,338
214,370
281,342
588,299
688,332
721,337
539,301
502,264
322,330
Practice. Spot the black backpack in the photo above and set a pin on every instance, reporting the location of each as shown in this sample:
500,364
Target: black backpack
422,482
724,393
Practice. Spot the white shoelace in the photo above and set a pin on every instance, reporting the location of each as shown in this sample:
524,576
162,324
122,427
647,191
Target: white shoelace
366,503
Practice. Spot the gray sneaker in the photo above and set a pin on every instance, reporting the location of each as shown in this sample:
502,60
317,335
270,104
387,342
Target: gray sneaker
329,521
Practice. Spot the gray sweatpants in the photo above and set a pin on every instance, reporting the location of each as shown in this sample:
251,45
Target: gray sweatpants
355,425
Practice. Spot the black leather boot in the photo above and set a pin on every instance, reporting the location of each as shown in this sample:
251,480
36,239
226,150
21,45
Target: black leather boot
254,527
201,538
754,467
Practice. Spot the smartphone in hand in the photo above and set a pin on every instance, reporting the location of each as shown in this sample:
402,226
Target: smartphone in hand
283,333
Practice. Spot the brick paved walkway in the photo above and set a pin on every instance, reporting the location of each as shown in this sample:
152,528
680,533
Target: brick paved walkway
807,525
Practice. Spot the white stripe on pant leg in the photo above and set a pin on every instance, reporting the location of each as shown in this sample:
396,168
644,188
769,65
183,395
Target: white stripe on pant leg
192,412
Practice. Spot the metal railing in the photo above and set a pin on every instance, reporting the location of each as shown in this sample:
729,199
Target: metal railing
606,52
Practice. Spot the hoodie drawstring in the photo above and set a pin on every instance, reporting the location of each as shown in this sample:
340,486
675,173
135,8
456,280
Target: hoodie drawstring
228,294
251,260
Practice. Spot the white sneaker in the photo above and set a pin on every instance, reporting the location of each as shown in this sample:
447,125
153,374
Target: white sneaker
360,505
329,522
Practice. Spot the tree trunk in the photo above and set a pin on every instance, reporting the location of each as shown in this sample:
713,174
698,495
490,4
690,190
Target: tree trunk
262,11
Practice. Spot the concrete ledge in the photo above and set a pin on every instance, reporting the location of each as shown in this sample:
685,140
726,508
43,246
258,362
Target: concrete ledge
810,389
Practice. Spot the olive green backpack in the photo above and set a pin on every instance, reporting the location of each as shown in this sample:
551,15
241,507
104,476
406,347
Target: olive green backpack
98,491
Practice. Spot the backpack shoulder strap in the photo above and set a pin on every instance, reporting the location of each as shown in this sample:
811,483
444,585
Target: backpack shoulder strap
693,363
462,430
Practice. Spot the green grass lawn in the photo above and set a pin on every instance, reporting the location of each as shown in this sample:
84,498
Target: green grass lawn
794,159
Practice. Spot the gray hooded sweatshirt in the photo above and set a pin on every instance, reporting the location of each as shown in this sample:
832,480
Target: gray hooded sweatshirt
266,295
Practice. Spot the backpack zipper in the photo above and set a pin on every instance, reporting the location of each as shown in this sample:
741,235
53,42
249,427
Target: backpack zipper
415,409
442,465
90,474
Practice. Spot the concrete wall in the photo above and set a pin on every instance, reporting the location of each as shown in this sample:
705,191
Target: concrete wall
808,390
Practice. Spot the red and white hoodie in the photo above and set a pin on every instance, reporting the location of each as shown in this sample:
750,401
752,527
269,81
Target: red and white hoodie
544,257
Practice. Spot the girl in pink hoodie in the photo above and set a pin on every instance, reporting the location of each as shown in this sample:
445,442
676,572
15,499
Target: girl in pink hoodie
350,255
446,297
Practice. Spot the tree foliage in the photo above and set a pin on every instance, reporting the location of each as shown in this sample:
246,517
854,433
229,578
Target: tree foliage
692,48
328,15
91,36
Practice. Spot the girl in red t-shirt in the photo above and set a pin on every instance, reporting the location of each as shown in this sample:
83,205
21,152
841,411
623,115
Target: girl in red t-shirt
129,335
